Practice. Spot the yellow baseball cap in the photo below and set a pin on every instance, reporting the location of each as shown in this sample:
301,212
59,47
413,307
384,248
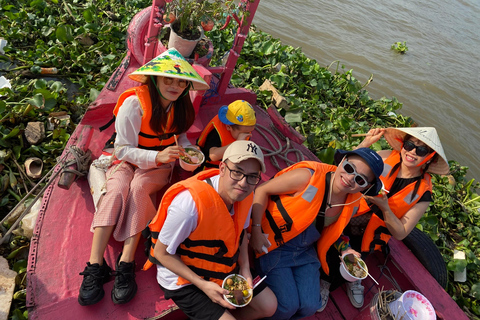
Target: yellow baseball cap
238,112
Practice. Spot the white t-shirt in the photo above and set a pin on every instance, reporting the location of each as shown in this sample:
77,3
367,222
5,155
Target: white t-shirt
181,221
127,126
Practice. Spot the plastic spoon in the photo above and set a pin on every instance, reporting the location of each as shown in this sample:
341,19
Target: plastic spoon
361,267
193,159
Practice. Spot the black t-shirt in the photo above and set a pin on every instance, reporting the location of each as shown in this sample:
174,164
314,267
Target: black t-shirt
358,224
212,141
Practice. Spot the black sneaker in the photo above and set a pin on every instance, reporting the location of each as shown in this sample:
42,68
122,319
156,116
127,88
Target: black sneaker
124,287
94,276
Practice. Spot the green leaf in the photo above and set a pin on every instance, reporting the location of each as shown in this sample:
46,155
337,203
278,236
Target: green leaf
432,220
3,106
88,15
326,155
50,104
457,265
40,84
64,33
94,94
268,47
475,290
14,253
279,80
18,315
37,100
13,133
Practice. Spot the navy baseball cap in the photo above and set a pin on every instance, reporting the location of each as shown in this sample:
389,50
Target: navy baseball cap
373,160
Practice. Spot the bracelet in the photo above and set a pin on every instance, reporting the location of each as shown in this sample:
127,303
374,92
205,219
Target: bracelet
256,225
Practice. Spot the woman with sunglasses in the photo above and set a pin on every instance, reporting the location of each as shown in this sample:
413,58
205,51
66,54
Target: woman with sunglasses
405,197
147,120
298,215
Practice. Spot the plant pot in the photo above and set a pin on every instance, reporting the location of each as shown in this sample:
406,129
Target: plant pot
184,46
202,53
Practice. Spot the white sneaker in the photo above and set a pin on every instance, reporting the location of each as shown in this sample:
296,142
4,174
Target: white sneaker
355,293
324,293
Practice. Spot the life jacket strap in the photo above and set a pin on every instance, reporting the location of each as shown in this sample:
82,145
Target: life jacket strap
218,257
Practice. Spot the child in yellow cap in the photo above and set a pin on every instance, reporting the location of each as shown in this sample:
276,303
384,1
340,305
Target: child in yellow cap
233,122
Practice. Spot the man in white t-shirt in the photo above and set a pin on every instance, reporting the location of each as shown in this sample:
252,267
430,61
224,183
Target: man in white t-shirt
199,237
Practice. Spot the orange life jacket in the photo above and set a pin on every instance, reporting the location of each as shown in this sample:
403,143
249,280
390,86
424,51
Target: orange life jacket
287,216
225,137
147,138
376,234
212,249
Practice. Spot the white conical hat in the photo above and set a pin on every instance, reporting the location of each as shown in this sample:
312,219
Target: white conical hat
427,135
170,64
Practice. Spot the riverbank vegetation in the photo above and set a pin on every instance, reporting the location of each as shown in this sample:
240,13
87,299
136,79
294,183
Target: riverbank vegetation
85,41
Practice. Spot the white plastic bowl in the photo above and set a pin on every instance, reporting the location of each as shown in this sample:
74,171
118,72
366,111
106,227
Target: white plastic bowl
190,166
247,298
346,275
413,305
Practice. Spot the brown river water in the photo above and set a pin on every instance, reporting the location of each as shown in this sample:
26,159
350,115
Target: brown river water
437,80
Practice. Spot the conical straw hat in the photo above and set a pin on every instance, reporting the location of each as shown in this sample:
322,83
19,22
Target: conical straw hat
427,135
170,64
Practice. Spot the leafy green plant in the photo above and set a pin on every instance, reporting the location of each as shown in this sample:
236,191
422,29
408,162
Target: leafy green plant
400,47
85,41
452,222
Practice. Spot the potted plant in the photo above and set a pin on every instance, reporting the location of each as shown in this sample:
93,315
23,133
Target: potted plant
188,19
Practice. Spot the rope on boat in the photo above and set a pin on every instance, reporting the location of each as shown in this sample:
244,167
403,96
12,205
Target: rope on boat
82,160
281,151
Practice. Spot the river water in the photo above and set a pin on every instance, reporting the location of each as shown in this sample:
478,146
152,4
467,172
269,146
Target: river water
437,80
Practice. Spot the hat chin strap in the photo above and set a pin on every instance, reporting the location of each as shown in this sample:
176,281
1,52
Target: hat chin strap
430,156
187,89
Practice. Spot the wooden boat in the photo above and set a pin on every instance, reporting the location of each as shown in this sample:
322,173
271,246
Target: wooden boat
62,238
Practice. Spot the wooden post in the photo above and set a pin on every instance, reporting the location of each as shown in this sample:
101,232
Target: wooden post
278,99
82,142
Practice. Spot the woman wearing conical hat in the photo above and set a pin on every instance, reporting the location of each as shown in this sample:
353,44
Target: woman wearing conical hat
148,119
406,195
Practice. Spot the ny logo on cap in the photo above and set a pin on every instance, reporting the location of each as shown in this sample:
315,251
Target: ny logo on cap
251,147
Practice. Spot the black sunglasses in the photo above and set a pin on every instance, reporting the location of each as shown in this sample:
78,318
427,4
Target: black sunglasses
350,169
421,151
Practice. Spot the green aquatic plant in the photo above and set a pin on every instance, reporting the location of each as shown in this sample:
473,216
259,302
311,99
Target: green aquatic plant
400,47
452,222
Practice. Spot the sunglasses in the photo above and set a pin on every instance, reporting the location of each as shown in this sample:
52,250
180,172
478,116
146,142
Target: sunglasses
350,169
181,83
421,151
